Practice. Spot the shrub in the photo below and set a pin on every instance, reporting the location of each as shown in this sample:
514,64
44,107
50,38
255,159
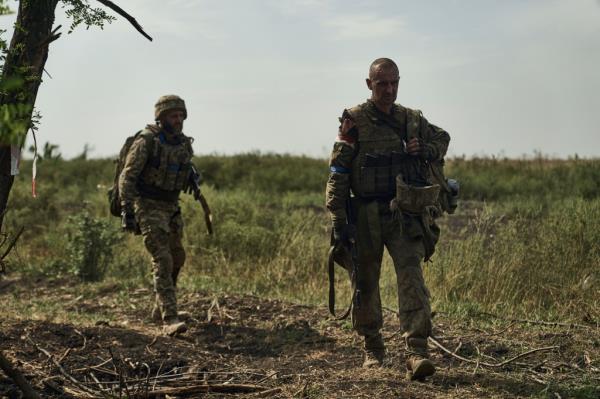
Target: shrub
90,245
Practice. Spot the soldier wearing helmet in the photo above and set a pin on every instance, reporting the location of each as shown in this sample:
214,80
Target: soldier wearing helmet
157,168
380,194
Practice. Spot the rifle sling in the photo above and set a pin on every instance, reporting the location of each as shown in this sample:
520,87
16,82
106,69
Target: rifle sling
331,272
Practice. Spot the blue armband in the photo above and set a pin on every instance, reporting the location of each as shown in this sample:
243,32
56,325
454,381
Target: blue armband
339,169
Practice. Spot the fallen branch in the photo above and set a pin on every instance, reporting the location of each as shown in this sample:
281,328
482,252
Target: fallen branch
76,382
194,389
17,377
267,393
539,322
491,365
125,15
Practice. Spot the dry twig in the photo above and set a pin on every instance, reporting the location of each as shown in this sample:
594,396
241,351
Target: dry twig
194,389
540,322
17,377
76,382
491,365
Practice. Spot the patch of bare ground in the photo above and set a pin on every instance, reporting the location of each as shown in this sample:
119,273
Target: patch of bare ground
245,346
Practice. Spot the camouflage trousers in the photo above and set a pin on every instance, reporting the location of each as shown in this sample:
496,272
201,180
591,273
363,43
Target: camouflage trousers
162,228
377,228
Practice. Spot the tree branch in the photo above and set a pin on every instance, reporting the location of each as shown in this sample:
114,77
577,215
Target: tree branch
18,378
124,14
491,365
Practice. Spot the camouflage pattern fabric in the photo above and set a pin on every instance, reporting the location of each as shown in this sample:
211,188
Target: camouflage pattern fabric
135,162
160,220
172,172
162,228
377,226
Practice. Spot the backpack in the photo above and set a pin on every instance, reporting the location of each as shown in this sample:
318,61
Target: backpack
114,200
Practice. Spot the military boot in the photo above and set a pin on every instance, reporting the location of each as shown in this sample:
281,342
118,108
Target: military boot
173,327
374,351
181,314
418,365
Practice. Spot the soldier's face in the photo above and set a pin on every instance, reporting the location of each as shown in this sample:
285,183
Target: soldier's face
173,121
383,84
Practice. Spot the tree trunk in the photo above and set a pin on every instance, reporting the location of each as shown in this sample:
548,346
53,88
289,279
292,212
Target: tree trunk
26,58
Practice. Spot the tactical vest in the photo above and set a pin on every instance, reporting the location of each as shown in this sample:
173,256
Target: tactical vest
168,167
381,152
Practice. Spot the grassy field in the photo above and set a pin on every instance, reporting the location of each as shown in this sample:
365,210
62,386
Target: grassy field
516,272
523,242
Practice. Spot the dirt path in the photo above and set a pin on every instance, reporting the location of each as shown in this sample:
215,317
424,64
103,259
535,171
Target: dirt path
282,349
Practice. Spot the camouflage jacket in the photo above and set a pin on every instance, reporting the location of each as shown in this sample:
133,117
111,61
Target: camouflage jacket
404,122
137,163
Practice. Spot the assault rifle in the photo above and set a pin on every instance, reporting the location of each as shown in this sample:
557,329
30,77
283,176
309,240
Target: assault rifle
194,188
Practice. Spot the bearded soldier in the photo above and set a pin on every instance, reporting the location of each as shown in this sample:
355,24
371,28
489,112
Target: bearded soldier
157,167
382,147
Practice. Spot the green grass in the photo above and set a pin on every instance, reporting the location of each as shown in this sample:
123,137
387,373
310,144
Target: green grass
520,243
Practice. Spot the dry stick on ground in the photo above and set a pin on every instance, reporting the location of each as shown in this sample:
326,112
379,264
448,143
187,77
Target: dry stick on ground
491,334
96,366
540,322
118,364
17,377
82,336
491,365
76,382
179,377
267,393
64,355
218,388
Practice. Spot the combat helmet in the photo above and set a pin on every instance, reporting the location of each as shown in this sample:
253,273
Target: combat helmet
167,103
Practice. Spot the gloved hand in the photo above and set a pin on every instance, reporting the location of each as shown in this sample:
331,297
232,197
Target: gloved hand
344,234
415,146
128,222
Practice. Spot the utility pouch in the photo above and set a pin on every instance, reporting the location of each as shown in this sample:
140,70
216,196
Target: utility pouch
375,177
411,199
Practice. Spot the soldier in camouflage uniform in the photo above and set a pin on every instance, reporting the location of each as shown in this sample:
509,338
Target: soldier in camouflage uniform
377,141
156,169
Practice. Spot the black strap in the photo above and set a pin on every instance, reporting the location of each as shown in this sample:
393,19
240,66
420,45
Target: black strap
331,271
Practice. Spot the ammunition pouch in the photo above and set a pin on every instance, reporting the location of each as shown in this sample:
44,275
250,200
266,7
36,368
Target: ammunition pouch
412,199
378,173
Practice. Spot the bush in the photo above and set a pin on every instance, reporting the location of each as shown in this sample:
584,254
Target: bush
90,245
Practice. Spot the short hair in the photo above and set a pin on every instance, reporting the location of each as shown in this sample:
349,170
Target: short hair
381,62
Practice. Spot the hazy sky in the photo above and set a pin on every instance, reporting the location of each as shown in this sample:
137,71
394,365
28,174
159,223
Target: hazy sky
503,77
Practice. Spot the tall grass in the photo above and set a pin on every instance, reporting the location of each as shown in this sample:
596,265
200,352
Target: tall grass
523,242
